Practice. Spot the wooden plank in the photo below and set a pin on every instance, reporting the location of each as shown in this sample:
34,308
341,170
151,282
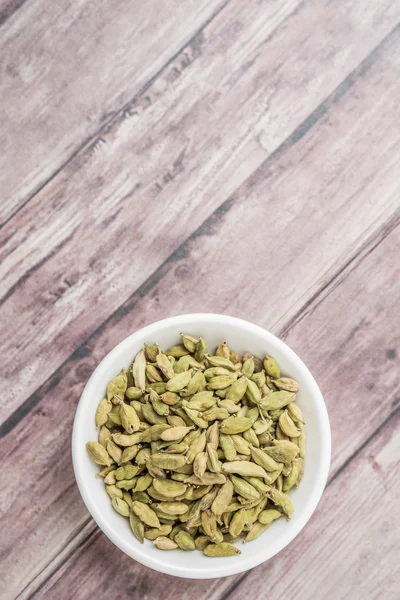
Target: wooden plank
43,437
68,68
345,508
53,271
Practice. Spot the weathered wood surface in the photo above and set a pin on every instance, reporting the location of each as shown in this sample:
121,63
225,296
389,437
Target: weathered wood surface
68,68
339,348
285,205
153,179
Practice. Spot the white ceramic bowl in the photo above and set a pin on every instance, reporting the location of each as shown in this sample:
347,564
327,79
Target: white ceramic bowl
241,336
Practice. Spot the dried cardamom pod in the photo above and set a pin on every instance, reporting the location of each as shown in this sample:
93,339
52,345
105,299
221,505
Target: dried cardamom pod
177,351
165,543
189,342
145,514
98,453
222,549
201,350
102,412
129,419
179,382
223,350
200,464
138,370
185,541
272,367
120,506
233,425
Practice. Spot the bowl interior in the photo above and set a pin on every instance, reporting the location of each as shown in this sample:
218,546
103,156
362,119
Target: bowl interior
240,336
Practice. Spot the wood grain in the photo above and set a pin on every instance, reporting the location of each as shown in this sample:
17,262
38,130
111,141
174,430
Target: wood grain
68,68
53,271
58,513
223,156
360,387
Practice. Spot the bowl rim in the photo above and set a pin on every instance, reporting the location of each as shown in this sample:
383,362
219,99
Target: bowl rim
218,570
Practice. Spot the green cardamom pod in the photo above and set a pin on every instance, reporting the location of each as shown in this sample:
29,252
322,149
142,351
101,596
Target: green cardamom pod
222,549
272,367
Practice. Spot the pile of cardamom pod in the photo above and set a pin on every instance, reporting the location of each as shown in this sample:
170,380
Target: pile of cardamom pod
200,449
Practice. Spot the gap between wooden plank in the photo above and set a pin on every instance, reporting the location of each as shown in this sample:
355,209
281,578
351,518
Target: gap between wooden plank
365,249
64,559
207,225
10,9
88,141
64,556
363,445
